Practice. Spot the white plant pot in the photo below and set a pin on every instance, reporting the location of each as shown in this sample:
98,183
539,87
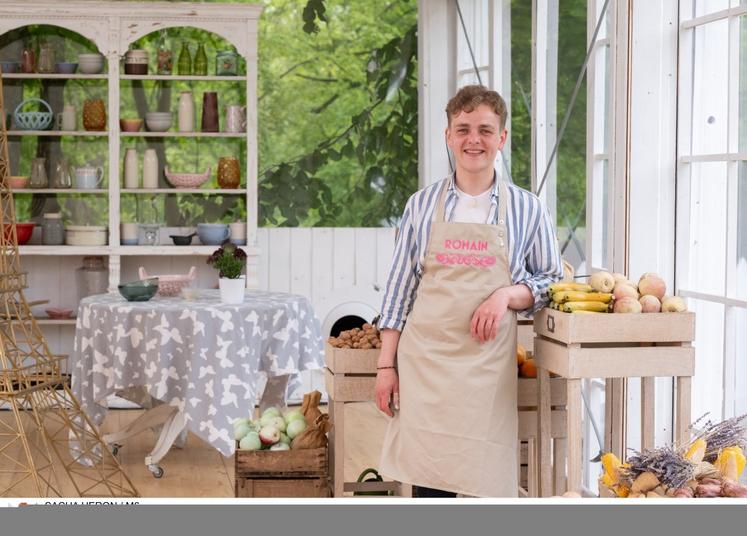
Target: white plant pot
232,290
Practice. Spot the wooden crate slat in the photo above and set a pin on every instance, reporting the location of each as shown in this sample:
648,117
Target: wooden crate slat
281,464
576,361
351,361
350,388
527,392
528,424
269,488
619,328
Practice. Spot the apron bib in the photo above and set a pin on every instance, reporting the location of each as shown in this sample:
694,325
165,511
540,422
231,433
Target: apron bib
457,427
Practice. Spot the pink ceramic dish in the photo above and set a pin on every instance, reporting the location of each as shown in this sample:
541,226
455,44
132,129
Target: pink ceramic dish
18,182
57,313
130,125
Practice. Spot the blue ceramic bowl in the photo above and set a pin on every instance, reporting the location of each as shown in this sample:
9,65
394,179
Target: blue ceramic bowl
9,66
65,67
128,241
212,234
141,290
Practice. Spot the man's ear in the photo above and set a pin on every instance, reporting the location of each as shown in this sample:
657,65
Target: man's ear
503,138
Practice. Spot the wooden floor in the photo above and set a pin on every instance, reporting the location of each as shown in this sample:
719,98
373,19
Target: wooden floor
198,470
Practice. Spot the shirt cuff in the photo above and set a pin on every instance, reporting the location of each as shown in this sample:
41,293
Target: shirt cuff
391,323
540,297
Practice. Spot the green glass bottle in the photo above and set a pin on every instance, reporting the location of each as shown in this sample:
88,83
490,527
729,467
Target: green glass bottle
184,64
200,64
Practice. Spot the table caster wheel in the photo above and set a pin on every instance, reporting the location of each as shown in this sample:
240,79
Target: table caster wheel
114,447
157,470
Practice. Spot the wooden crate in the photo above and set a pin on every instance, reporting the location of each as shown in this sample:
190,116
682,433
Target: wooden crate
284,473
614,347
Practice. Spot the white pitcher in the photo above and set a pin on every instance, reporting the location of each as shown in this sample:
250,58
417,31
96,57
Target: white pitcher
186,112
88,177
235,118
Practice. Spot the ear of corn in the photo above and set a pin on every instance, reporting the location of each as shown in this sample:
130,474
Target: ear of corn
730,462
696,451
611,465
570,307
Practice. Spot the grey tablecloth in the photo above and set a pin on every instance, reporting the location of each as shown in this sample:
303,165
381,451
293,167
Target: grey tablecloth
201,356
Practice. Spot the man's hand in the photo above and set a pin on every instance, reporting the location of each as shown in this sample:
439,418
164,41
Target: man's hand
487,317
387,389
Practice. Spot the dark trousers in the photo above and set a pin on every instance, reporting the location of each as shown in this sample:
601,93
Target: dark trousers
430,493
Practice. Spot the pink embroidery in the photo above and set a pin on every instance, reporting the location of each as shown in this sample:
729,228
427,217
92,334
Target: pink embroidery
481,261
471,245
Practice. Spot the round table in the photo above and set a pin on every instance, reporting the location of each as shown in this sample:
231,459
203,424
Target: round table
201,357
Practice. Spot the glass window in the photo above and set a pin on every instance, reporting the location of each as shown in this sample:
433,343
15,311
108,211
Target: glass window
710,106
741,234
708,228
704,7
709,358
338,113
742,113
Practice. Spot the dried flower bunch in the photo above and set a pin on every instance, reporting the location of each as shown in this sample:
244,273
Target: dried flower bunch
229,260
728,433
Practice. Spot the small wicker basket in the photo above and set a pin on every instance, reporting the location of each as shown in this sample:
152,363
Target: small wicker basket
170,285
33,120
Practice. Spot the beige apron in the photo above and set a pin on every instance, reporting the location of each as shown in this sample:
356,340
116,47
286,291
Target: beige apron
457,427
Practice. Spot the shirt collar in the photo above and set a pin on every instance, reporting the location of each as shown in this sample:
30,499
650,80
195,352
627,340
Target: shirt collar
451,187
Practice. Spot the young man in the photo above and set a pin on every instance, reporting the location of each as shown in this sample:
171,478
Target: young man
472,251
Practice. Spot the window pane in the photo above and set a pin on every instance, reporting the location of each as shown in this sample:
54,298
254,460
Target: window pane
741,234
704,7
740,372
710,88
707,387
600,215
521,92
707,248
742,116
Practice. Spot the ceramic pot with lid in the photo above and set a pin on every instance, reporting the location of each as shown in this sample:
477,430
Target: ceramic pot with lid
136,61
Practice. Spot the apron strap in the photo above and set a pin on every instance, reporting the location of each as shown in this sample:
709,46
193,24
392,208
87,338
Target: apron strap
439,212
502,201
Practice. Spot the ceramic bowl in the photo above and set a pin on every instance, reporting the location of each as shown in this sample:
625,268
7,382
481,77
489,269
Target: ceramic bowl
186,180
212,234
158,121
85,235
182,240
18,182
58,313
130,125
9,67
65,67
90,63
142,290
23,232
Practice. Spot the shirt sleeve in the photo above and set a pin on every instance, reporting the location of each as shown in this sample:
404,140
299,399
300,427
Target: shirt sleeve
542,262
404,274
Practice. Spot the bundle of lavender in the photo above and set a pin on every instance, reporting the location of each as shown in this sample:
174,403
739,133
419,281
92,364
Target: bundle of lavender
709,465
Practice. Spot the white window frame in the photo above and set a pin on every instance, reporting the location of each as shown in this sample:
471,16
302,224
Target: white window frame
686,286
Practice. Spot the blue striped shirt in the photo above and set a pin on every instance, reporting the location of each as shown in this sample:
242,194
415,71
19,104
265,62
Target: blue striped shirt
534,255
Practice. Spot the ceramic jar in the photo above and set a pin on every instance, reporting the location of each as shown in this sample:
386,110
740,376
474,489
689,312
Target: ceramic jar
136,62
28,60
186,118
210,111
150,169
229,172
131,179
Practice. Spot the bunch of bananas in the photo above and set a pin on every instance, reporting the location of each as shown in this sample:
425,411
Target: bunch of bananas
578,298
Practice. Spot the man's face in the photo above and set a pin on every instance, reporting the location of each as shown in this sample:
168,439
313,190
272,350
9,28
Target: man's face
475,138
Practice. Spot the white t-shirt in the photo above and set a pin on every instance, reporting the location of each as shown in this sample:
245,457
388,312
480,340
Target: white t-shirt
472,208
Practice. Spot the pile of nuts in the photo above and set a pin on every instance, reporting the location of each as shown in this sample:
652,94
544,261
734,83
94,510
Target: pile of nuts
364,338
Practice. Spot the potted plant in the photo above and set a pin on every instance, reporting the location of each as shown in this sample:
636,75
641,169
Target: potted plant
230,261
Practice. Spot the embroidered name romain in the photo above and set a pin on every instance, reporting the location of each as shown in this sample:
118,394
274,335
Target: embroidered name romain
467,259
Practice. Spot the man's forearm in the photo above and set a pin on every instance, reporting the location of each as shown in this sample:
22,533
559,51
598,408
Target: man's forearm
389,343
519,297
